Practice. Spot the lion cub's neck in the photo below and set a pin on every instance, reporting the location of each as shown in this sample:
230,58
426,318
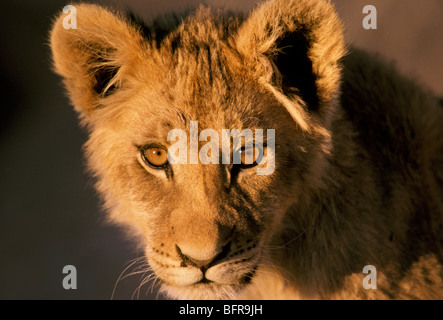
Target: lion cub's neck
326,238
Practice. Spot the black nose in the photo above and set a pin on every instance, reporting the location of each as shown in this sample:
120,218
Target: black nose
203,264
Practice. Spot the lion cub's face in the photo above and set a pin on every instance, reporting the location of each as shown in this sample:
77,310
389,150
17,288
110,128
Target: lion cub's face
207,219
206,225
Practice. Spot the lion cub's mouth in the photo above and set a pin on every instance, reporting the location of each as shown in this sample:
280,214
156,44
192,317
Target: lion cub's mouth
229,271
219,261
244,280
209,289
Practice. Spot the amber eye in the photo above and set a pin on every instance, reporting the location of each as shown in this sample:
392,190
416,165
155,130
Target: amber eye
250,157
156,156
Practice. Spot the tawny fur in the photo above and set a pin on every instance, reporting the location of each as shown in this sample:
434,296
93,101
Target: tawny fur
359,152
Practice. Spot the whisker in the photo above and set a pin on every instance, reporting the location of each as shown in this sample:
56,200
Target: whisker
143,281
122,276
152,277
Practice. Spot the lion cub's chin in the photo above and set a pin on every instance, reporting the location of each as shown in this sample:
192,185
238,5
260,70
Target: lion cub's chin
203,291
231,284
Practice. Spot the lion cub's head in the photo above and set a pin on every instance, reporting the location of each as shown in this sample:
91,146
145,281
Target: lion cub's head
208,220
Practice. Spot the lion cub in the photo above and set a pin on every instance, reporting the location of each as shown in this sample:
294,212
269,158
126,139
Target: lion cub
184,119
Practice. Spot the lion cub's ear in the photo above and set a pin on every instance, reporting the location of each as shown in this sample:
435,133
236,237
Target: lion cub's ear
296,45
95,57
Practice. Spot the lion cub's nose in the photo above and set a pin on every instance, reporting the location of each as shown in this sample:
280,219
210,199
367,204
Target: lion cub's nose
200,263
201,260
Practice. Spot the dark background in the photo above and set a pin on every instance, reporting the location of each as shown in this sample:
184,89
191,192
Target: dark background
49,213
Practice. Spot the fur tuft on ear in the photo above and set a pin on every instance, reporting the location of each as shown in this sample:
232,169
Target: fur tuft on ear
296,46
95,57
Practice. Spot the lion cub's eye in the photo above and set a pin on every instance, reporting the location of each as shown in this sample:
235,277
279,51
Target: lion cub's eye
156,156
250,157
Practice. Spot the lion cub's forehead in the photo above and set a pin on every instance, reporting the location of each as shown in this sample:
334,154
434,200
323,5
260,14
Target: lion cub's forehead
170,119
198,63
203,79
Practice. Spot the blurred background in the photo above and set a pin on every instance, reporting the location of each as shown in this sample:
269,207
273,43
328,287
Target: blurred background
49,213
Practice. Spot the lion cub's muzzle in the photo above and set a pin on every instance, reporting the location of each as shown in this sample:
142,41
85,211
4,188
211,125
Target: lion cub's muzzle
205,252
205,264
233,264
